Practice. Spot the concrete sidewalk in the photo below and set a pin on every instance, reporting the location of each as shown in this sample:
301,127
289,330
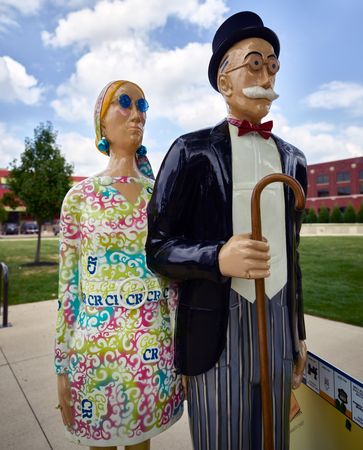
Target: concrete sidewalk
28,418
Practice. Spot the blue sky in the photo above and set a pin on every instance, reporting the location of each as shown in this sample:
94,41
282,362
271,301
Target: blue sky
56,55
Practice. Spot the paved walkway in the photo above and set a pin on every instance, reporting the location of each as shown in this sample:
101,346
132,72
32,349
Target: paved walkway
28,419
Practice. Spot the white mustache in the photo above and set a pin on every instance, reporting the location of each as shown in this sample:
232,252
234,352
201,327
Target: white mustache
260,92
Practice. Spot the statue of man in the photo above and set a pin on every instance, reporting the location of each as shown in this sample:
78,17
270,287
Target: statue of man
199,234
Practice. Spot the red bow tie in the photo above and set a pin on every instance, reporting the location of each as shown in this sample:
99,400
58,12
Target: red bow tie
244,127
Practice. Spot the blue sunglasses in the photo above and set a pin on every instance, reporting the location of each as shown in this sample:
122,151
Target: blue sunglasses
125,102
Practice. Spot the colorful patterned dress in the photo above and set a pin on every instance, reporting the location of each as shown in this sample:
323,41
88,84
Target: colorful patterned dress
114,333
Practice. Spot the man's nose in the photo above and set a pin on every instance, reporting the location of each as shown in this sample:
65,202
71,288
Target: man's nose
265,78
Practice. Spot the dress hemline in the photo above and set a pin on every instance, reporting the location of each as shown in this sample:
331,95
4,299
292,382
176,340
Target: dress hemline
123,440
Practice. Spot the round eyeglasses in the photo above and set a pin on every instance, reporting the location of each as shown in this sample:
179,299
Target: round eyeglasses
125,102
255,62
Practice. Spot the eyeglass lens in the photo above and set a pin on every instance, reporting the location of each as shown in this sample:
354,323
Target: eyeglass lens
255,62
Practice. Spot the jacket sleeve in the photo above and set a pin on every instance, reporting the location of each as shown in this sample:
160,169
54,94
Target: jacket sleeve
169,250
69,298
301,176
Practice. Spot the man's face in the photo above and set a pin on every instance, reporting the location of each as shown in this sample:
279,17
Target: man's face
249,63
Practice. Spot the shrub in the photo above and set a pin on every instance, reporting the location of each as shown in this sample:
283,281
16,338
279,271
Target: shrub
311,217
360,214
349,215
323,216
336,215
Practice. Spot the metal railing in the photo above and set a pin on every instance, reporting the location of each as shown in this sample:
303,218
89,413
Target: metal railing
4,291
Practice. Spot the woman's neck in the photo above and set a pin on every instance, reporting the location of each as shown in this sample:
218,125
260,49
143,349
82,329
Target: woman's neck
122,164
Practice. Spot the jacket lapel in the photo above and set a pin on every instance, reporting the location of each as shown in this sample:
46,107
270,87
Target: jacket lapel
286,161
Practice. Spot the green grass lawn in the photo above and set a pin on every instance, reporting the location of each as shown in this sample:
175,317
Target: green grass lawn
26,283
332,275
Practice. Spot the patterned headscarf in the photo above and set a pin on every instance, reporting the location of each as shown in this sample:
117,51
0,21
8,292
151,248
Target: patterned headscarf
102,104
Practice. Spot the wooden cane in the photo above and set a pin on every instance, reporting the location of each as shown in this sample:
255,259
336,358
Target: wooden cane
260,298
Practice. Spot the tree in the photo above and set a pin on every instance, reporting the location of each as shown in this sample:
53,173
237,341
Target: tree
42,177
303,216
360,214
349,215
3,214
323,216
10,200
311,217
336,215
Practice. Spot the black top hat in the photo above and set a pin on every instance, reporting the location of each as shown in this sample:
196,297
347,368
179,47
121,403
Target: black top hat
240,26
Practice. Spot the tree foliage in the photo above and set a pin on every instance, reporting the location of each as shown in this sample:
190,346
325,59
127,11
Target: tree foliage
3,214
349,215
311,216
336,215
360,214
9,199
323,216
42,178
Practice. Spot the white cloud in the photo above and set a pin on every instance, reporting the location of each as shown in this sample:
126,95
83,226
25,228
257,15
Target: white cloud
10,9
338,95
6,22
10,145
25,7
204,15
188,101
81,151
16,84
75,4
320,141
110,20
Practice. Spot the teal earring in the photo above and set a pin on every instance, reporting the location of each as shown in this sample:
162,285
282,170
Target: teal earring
104,146
141,151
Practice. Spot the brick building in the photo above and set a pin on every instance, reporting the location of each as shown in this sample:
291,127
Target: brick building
335,183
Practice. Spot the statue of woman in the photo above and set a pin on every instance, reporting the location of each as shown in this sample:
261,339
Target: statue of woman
117,384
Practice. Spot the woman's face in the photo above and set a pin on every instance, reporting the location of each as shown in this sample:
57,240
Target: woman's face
123,123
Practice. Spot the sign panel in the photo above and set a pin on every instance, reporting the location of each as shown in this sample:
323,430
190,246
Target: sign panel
331,403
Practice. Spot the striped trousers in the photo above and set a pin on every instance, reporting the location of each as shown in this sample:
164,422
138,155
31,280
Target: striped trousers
224,404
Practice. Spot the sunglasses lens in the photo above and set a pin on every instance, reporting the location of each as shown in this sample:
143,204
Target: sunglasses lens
124,101
142,105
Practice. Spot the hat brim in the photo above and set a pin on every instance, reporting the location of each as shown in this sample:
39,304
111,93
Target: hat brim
258,32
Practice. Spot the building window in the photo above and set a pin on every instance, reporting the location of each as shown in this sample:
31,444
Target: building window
323,193
322,179
344,190
361,174
361,188
343,176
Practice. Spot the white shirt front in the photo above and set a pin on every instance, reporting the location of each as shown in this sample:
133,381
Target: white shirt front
253,158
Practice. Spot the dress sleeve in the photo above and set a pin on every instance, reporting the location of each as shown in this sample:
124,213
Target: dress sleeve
69,297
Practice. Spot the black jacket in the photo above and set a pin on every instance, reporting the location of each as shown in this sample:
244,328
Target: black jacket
189,219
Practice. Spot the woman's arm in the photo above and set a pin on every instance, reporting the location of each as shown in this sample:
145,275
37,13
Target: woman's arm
68,300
